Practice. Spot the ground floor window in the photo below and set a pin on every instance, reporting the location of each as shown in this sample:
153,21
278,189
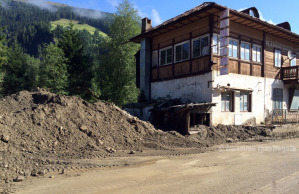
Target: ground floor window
245,102
277,98
227,102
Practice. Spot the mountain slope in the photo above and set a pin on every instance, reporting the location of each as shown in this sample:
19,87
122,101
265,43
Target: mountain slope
30,24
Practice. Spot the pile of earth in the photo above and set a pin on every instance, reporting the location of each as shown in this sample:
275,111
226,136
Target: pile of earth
209,136
39,129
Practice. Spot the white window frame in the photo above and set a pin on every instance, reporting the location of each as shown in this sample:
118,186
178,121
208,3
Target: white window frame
293,61
279,58
160,58
217,45
179,44
153,58
256,52
244,57
229,45
200,51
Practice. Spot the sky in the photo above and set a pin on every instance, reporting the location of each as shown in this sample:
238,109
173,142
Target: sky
273,11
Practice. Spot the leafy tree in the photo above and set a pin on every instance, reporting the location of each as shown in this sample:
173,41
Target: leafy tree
53,70
78,64
20,71
116,71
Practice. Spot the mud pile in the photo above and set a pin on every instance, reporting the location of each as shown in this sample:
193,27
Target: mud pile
40,128
209,136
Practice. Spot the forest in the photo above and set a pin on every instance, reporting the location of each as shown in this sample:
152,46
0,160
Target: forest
66,60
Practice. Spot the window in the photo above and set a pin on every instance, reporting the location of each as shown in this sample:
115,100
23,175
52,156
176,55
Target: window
293,61
154,58
256,53
277,58
233,48
200,46
245,102
277,98
216,44
182,51
226,102
166,56
245,51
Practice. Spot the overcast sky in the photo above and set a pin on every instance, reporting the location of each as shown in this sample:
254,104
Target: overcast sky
273,11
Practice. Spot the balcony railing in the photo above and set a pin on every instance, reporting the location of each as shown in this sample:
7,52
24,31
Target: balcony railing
281,116
290,74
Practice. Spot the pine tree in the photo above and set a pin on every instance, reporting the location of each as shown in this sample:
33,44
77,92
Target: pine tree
78,64
53,70
20,71
116,72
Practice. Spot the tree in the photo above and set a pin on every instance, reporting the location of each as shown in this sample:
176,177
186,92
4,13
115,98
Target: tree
20,71
78,64
53,70
116,71
3,54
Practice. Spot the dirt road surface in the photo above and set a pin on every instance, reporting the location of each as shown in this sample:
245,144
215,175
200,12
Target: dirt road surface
267,167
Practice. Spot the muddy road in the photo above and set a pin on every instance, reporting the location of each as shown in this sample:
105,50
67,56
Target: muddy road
266,167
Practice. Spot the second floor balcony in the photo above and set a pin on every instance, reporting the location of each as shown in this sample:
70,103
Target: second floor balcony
290,74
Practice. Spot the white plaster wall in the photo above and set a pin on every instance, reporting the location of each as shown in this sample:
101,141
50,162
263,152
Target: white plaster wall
261,97
190,89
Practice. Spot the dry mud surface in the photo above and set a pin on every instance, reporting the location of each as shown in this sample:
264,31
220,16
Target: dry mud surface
264,167
41,133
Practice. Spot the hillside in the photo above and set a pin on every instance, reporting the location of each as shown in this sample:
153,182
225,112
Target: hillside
31,25
66,23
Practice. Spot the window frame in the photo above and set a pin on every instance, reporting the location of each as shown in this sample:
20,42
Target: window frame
200,48
249,96
255,60
160,56
238,46
293,60
231,102
182,54
276,65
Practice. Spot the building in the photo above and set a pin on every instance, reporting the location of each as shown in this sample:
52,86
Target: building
226,67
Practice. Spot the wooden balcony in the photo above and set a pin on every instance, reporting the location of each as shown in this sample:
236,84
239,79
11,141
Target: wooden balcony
290,74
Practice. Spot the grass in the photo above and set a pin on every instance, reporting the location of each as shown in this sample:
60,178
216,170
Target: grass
66,23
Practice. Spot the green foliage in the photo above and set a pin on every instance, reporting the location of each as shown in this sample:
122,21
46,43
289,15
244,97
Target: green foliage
78,64
116,71
30,26
20,71
53,70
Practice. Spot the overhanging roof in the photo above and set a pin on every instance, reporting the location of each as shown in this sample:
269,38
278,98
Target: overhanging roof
208,8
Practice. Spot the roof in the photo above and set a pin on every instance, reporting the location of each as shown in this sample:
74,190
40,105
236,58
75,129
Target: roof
207,8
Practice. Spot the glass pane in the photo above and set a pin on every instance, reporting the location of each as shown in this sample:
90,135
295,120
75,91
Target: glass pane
258,58
242,53
169,55
222,102
178,53
227,106
186,51
254,56
204,46
245,102
196,48
241,103
163,57
235,49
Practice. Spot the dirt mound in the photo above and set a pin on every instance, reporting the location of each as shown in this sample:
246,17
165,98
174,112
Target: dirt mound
40,128
228,134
